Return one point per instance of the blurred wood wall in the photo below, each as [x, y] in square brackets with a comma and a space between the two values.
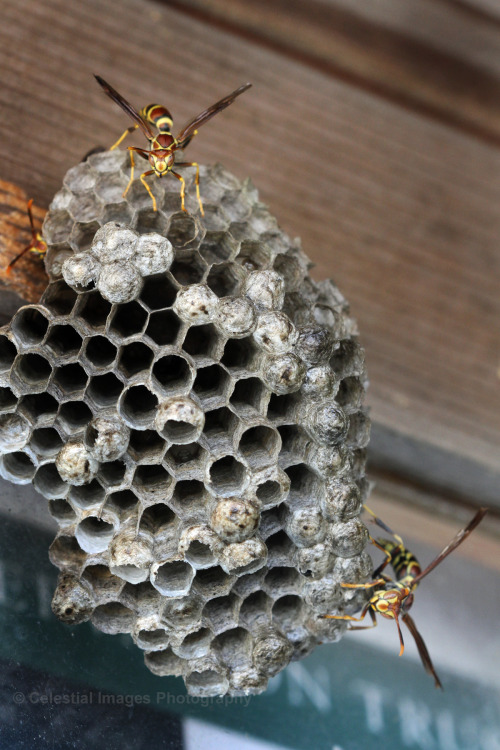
[372, 131]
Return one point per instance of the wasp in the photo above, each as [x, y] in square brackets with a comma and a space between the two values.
[38, 246]
[392, 598]
[163, 145]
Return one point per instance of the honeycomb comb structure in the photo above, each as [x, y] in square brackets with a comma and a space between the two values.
[190, 402]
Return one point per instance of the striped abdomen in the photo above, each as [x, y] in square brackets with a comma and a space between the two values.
[403, 562]
[158, 116]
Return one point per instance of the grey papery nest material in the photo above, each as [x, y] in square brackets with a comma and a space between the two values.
[190, 401]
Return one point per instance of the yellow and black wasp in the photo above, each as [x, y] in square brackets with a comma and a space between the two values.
[392, 598]
[163, 145]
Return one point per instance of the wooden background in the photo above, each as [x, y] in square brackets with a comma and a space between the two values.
[372, 131]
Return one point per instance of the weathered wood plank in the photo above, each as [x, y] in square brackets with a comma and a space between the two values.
[402, 211]
[428, 55]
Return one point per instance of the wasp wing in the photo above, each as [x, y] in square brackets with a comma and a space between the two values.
[422, 649]
[124, 104]
[458, 539]
[188, 131]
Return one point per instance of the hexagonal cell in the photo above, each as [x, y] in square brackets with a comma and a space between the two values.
[347, 359]
[289, 268]
[104, 584]
[194, 645]
[8, 400]
[185, 458]
[217, 247]
[219, 429]
[57, 227]
[29, 326]
[138, 407]
[31, 372]
[158, 292]
[17, 467]
[228, 476]
[281, 549]
[165, 663]
[202, 341]
[283, 409]
[282, 582]
[260, 446]
[122, 502]
[110, 187]
[59, 298]
[173, 578]
[255, 609]
[358, 435]
[73, 416]
[304, 485]
[239, 355]
[188, 267]
[212, 582]
[63, 341]
[65, 553]
[211, 385]
[100, 352]
[294, 442]
[112, 474]
[104, 390]
[163, 327]
[152, 481]
[253, 255]
[62, 512]
[83, 233]
[94, 535]
[232, 642]
[48, 482]
[135, 358]
[270, 493]
[146, 446]
[8, 353]
[87, 495]
[351, 392]
[120, 212]
[225, 279]
[128, 320]
[85, 207]
[287, 611]
[172, 375]
[189, 497]
[113, 618]
[222, 613]
[93, 310]
[250, 396]
[184, 230]
[152, 640]
[69, 381]
[46, 441]
[40, 408]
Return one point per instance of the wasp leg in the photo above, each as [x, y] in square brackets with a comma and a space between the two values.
[364, 611]
[197, 178]
[368, 585]
[120, 139]
[384, 526]
[8, 269]
[143, 175]
[143, 153]
[367, 627]
[183, 187]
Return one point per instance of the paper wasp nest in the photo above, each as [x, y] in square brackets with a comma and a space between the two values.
[190, 402]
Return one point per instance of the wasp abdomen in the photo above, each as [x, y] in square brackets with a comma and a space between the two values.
[158, 116]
